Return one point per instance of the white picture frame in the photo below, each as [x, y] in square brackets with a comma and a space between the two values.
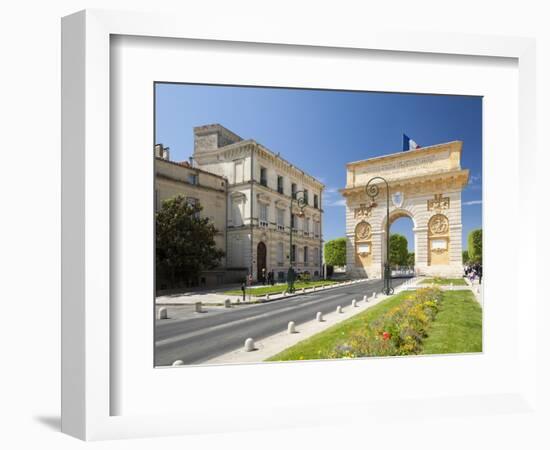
[87, 353]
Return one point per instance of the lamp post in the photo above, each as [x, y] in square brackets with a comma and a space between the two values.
[299, 198]
[372, 190]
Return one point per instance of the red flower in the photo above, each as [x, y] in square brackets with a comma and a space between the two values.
[386, 335]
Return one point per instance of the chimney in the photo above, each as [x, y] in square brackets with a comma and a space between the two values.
[162, 152]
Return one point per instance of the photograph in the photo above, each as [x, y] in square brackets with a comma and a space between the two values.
[297, 224]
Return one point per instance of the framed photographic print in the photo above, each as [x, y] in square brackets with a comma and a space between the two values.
[250, 218]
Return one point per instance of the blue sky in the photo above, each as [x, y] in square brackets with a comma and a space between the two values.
[320, 131]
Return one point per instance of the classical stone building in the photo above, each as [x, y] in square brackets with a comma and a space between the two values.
[425, 184]
[198, 187]
[260, 186]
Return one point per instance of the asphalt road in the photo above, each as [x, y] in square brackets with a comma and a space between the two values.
[200, 337]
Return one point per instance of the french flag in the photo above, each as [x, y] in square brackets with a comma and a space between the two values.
[409, 144]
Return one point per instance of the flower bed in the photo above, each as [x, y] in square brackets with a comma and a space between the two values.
[400, 331]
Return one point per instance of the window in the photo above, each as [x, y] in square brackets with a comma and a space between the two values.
[236, 212]
[239, 172]
[306, 226]
[316, 229]
[280, 253]
[315, 201]
[193, 202]
[263, 176]
[315, 255]
[306, 196]
[305, 255]
[294, 188]
[280, 182]
[292, 221]
[192, 179]
[264, 220]
[280, 219]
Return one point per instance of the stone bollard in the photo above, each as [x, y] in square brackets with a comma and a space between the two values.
[227, 303]
[354, 303]
[373, 296]
[313, 288]
[179, 362]
[285, 293]
[303, 290]
[338, 309]
[319, 317]
[267, 297]
[365, 299]
[249, 345]
[162, 313]
[198, 307]
[291, 328]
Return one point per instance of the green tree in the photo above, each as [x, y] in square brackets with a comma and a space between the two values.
[465, 257]
[185, 243]
[335, 252]
[475, 246]
[399, 252]
[410, 259]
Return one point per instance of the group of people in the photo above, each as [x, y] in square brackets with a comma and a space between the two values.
[268, 278]
[473, 271]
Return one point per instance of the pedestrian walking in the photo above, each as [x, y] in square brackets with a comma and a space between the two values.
[243, 288]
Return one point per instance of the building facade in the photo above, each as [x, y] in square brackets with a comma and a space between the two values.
[247, 190]
[426, 185]
[260, 189]
[198, 187]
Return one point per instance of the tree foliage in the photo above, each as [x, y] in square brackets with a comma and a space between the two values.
[475, 246]
[465, 257]
[335, 252]
[185, 243]
[399, 251]
[410, 259]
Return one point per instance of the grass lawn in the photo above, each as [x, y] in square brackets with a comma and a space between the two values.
[445, 281]
[278, 288]
[456, 329]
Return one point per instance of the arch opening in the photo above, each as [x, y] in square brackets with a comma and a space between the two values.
[403, 253]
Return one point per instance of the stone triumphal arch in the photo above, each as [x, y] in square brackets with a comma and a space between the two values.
[426, 185]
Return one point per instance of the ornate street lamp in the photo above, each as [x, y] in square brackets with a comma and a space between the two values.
[372, 191]
[299, 198]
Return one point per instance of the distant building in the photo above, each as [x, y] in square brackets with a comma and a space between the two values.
[246, 190]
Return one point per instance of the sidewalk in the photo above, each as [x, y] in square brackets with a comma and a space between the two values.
[216, 298]
[477, 290]
[276, 343]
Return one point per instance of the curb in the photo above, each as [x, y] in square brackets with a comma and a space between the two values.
[264, 300]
